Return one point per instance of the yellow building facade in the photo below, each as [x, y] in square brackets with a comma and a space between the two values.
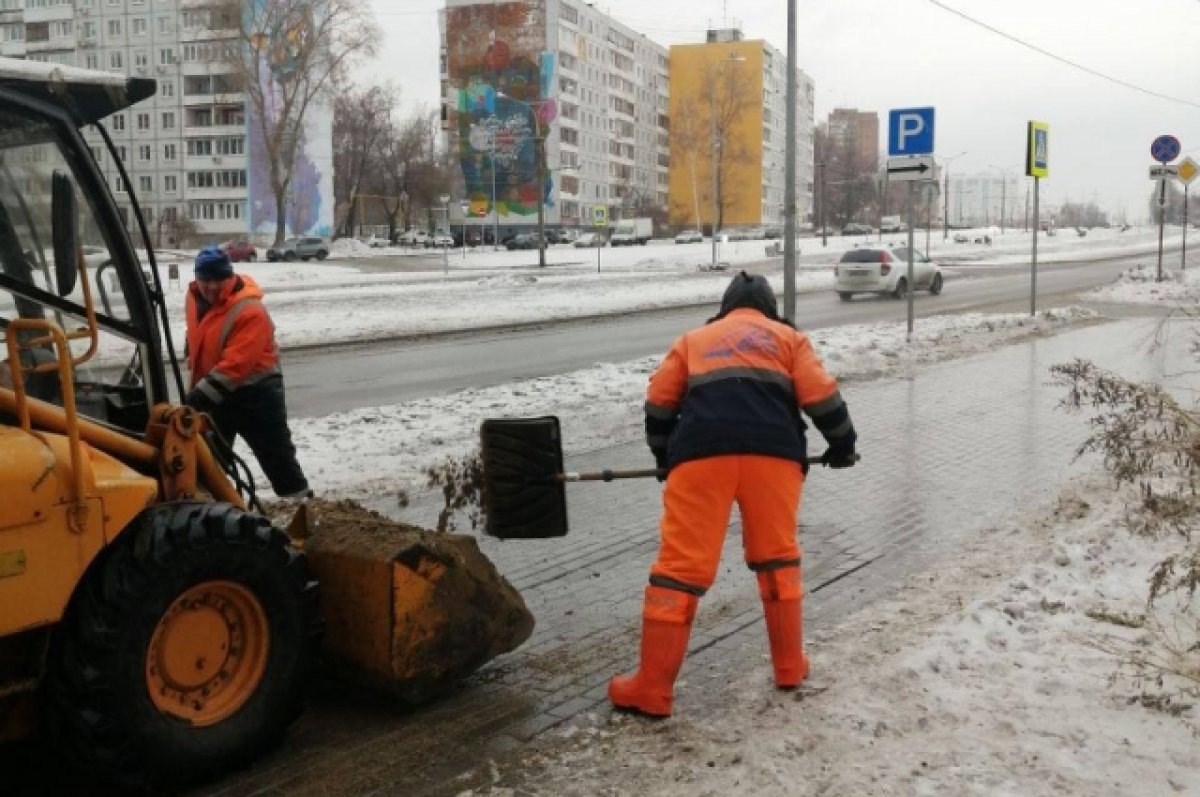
[716, 112]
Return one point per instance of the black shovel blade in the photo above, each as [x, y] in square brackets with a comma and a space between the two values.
[523, 498]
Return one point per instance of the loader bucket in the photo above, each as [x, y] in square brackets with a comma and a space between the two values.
[407, 610]
[523, 494]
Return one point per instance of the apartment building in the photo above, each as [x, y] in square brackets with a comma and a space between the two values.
[854, 134]
[592, 87]
[186, 149]
[728, 108]
[987, 200]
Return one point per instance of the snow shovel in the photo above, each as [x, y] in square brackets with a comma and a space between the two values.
[524, 485]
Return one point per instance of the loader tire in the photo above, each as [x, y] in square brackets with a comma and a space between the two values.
[185, 650]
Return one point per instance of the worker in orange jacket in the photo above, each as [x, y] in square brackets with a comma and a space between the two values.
[723, 415]
[235, 374]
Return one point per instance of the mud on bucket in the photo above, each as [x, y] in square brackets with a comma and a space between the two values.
[524, 497]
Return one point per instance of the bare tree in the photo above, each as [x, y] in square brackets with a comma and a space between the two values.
[704, 126]
[288, 54]
[362, 120]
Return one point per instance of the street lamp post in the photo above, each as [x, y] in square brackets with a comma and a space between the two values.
[824, 232]
[539, 155]
[444, 199]
[946, 198]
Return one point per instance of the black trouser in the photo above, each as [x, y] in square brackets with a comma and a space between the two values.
[258, 413]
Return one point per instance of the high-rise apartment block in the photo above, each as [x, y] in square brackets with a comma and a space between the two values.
[854, 135]
[187, 150]
[562, 72]
[728, 107]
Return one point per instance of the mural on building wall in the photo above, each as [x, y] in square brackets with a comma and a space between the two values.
[496, 59]
[309, 208]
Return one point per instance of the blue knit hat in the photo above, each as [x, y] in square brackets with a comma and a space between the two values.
[213, 264]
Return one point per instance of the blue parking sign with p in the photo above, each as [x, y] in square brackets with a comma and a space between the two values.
[910, 131]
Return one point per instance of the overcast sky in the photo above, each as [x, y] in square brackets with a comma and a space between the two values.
[883, 54]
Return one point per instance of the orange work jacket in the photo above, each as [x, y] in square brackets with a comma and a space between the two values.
[231, 343]
[737, 386]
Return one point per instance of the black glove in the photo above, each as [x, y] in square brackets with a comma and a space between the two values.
[197, 400]
[839, 458]
[660, 461]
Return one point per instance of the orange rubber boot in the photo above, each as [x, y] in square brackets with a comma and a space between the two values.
[781, 593]
[666, 625]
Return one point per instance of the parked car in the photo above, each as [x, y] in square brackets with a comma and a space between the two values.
[689, 237]
[854, 228]
[961, 238]
[560, 236]
[375, 242]
[591, 240]
[884, 270]
[299, 249]
[413, 238]
[240, 251]
[442, 239]
[524, 240]
[772, 233]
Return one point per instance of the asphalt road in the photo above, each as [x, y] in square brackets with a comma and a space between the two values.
[340, 378]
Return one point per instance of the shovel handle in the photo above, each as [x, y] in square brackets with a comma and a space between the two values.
[645, 473]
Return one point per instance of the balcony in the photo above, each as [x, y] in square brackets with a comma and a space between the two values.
[201, 131]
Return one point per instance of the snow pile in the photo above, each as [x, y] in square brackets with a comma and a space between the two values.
[982, 678]
[352, 247]
[1140, 285]
[385, 450]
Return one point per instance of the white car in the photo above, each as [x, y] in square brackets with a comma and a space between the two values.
[590, 240]
[884, 270]
[442, 239]
[689, 237]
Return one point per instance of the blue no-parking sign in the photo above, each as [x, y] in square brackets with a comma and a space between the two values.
[1165, 149]
[910, 131]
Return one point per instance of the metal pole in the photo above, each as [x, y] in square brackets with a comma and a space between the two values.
[1037, 225]
[539, 152]
[1162, 222]
[1003, 198]
[928, 215]
[789, 193]
[1183, 258]
[824, 232]
[911, 292]
[495, 207]
[946, 208]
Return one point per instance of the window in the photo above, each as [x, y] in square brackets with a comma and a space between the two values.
[143, 121]
[141, 60]
[166, 88]
[170, 152]
[170, 183]
[114, 27]
[164, 24]
[166, 56]
[115, 60]
[92, 61]
[119, 184]
[168, 120]
[118, 122]
[121, 154]
[199, 146]
[145, 152]
[138, 26]
[146, 184]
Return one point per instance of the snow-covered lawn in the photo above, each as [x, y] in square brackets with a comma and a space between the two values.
[980, 679]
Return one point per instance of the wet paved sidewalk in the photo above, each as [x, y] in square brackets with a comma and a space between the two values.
[946, 455]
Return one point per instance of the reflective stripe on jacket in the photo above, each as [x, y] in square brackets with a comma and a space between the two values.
[736, 386]
[231, 343]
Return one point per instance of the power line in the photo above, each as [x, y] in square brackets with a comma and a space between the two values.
[1060, 59]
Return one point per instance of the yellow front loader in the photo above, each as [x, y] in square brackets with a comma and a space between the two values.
[152, 627]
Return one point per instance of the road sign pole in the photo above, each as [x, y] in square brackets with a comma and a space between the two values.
[1183, 257]
[911, 292]
[1162, 222]
[1037, 228]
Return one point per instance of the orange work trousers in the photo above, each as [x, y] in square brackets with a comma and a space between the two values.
[698, 501]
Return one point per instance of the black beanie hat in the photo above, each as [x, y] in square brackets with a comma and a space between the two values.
[751, 291]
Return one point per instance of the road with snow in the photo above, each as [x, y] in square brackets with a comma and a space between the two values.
[321, 381]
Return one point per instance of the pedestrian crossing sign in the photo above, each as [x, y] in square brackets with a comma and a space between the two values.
[600, 217]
